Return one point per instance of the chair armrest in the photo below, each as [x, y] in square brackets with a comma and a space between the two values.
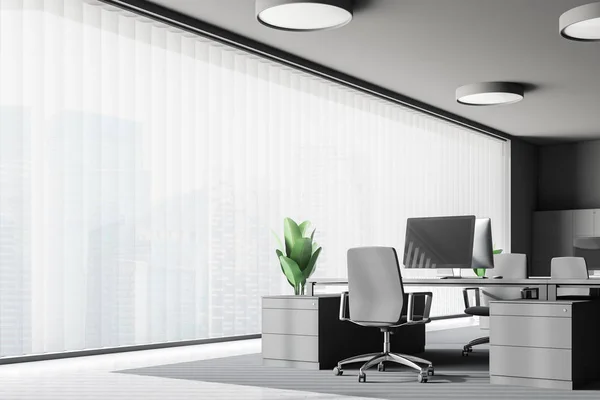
[344, 307]
[411, 304]
[466, 297]
[530, 293]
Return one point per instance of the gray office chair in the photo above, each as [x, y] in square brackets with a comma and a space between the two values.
[375, 298]
[570, 268]
[508, 265]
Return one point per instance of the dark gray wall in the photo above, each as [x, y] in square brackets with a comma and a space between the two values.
[524, 185]
[569, 176]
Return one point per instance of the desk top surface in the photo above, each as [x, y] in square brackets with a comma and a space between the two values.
[473, 281]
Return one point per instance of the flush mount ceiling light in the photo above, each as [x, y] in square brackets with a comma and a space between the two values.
[489, 93]
[304, 15]
[581, 23]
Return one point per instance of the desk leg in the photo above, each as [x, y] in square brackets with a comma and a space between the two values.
[542, 292]
[551, 292]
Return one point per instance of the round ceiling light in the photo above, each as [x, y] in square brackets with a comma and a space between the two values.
[304, 15]
[581, 23]
[489, 93]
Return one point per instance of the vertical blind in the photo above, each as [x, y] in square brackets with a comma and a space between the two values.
[142, 169]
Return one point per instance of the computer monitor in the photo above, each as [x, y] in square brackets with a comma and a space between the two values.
[439, 242]
[448, 242]
[483, 248]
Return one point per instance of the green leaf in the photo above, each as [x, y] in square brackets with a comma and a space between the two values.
[291, 270]
[280, 254]
[312, 235]
[301, 252]
[291, 233]
[498, 251]
[279, 244]
[310, 268]
[315, 246]
[304, 228]
[480, 272]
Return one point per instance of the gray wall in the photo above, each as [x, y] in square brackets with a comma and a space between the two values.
[524, 194]
[569, 176]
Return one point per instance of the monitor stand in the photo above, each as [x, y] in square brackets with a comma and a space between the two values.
[449, 273]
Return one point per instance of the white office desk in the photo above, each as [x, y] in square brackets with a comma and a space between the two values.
[547, 287]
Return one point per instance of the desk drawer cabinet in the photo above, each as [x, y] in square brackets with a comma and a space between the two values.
[521, 331]
[305, 332]
[544, 344]
[534, 308]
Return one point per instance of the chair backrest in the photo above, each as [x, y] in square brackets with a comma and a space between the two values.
[569, 268]
[509, 266]
[376, 293]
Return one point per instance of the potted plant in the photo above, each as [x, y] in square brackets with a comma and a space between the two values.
[298, 258]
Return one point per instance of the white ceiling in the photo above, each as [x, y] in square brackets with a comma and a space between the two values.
[425, 49]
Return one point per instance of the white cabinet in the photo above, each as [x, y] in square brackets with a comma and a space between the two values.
[596, 217]
[557, 349]
[592, 257]
[583, 223]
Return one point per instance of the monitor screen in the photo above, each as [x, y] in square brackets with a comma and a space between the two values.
[439, 242]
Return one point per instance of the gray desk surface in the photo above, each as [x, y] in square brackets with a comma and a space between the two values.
[546, 286]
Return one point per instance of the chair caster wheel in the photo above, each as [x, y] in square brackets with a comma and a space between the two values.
[430, 371]
[337, 371]
[422, 378]
[362, 377]
[380, 367]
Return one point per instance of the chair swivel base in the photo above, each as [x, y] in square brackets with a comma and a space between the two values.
[468, 348]
[378, 359]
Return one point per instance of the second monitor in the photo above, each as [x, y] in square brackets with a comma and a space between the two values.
[448, 242]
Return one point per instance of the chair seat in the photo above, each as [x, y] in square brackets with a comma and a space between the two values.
[480, 311]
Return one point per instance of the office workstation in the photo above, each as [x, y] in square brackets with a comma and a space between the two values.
[534, 322]
[284, 199]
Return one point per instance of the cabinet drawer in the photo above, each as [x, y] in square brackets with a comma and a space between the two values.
[548, 332]
[291, 322]
[561, 310]
[290, 347]
[292, 302]
[530, 362]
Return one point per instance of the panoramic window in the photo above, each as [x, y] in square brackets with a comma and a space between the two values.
[142, 169]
